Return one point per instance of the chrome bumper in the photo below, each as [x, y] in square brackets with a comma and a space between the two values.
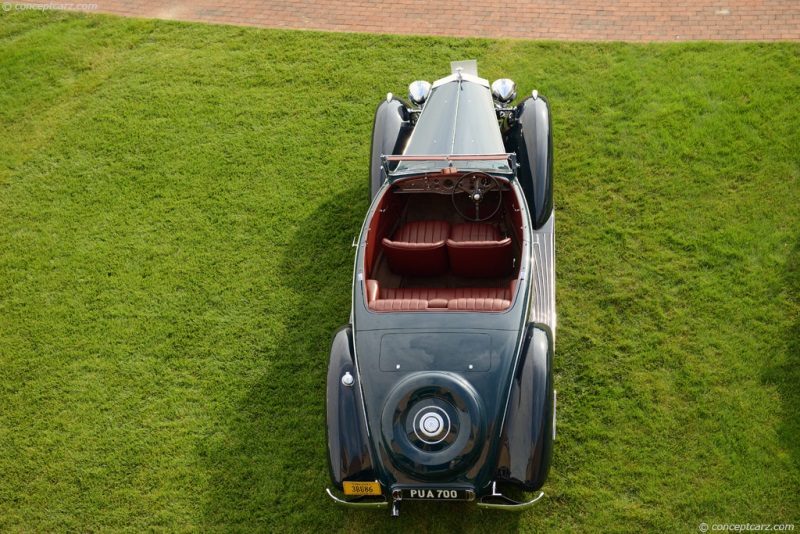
[358, 502]
[505, 503]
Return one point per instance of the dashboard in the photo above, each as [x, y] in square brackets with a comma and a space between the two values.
[443, 184]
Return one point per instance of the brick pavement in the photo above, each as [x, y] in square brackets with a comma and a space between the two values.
[570, 20]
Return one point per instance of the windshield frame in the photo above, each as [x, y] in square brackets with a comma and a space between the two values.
[394, 168]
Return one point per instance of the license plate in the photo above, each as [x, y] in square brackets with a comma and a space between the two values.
[434, 495]
[361, 488]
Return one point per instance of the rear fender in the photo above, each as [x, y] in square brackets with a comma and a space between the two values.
[349, 457]
[526, 444]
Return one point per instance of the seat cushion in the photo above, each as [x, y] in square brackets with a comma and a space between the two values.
[422, 232]
[480, 259]
[399, 305]
[486, 299]
[477, 250]
[418, 249]
[484, 305]
[483, 293]
[425, 293]
[474, 232]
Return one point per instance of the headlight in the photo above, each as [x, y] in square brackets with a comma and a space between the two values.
[504, 91]
[418, 92]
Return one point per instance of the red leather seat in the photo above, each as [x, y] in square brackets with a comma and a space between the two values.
[476, 250]
[424, 293]
[473, 231]
[484, 305]
[418, 248]
[483, 293]
[399, 305]
[488, 299]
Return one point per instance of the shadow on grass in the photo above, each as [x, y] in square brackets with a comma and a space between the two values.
[785, 373]
[268, 472]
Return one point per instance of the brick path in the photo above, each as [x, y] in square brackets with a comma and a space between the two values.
[571, 20]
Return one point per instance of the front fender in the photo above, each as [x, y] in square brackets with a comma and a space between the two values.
[390, 133]
[349, 457]
[526, 444]
[531, 138]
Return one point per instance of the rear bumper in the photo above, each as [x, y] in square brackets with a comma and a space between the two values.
[359, 502]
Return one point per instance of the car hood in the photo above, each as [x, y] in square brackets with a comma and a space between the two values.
[458, 118]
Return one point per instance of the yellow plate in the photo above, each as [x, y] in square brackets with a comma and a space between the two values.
[362, 488]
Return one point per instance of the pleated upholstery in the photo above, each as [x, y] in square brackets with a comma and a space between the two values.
[485, 299]
[418, 248]
[474, 232]
[423, 232]
[476, 250]
[478, 304]
[399, 305]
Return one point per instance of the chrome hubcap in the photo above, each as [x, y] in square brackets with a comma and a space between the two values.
[432, 425]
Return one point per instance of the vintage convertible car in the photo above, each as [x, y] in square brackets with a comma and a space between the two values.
[441, 385]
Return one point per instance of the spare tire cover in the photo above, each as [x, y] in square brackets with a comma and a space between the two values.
[433, 424]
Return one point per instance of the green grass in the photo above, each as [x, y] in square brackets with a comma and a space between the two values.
[177, 203]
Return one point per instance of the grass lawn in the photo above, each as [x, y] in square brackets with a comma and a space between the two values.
[177, 203]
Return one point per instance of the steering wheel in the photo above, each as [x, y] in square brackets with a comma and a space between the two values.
[476, 185]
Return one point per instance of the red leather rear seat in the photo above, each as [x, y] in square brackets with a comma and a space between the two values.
[399, 305]
[438, 299]
[478, 304]
[446, 293]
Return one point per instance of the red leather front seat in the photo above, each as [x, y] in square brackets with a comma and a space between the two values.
[418, 248]
[476, 250]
